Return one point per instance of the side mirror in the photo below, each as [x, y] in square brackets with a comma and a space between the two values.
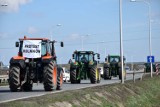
[62, 44]
[72, 56]
[105, 59]
[17, 44]
[98, 56]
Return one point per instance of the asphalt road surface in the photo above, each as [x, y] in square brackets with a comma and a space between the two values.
[38, 90]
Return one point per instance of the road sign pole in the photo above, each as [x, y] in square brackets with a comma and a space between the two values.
[151, 60]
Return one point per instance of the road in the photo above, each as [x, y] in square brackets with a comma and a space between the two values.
[38, 90]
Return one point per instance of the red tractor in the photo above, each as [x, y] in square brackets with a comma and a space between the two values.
[35, 62]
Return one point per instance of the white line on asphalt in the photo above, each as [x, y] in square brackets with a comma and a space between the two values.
[53, 92]
[29, 96]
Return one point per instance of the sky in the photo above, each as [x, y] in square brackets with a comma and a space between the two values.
[95, 23]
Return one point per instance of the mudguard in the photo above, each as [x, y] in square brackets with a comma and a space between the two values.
[19, 62]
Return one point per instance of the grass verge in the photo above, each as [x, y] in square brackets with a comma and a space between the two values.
[144, 93]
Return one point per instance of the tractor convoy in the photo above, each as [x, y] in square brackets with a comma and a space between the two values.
[112, 67]
[36, 62]
[85, 66]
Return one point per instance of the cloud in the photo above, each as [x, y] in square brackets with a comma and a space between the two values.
[32, 30]
[12, 5]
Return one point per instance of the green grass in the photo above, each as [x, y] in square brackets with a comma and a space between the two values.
[144, 93]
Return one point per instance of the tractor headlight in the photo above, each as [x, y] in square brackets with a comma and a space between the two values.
[75, 63]
[90, 62]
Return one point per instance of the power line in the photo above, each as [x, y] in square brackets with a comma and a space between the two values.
[94, 43]
[127, 40]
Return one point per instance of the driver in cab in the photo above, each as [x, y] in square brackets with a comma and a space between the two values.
[84, 59]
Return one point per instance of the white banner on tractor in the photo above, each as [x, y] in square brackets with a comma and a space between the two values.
[32, 48]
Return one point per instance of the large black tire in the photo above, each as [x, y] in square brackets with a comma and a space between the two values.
[120, 73]
[107, 74]
[93, 74]
[99, 76]
[73, 76]
[14, 78]
[48, 76]
[59, 78]
[27, 86]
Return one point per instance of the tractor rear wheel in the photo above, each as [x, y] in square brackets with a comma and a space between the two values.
[49, 77]
[93, 74]
[14, 78]
[73, 76]
[59, 78]
[107, 73]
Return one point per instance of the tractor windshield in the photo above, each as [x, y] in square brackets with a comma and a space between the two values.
[82, 57]
[114, 59]
[43, 48]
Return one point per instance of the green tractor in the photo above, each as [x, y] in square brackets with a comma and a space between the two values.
[148, 67]
[85, 66]
[112, 67]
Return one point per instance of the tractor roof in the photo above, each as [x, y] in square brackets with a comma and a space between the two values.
[84, 52]
[114, 55]
[25, 38]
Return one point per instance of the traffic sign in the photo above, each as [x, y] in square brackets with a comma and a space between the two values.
[150, 59]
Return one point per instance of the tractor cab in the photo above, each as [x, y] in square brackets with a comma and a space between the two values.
[82, 56]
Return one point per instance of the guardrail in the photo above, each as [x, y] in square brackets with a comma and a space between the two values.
[3, 78]
[136, 72]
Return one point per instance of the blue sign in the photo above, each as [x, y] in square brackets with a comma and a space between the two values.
[150, 59]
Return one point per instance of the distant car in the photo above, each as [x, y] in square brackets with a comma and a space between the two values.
[127, 69]
[101, 71]
[66, 75]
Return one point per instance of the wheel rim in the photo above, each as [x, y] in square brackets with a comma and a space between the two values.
[54, 75]
[61, 79]
[96, 74]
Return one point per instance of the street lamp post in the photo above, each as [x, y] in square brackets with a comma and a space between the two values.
[150, 41]
[82, 37]
[82, 40]
[98, 45]
[53, 28]
[121, 40]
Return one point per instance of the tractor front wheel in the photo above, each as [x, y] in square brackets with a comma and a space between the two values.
[94, 75]
[27, 86]
[59, 78]
[107, 73]
[49, 76]
[73, 76]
